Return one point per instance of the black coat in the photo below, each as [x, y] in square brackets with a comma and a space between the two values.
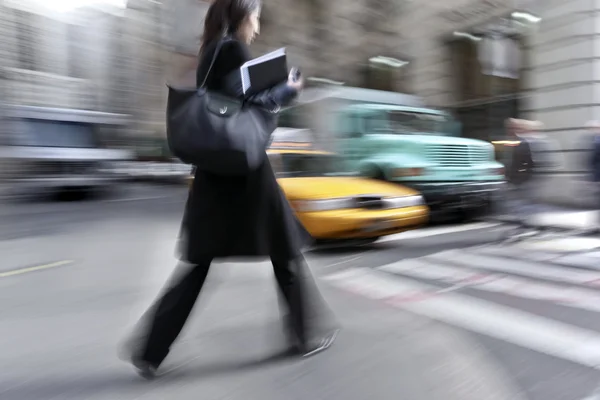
[239, 216]
[521, 167]
[595, 160]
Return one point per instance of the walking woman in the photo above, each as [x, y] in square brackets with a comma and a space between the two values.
[234, 216]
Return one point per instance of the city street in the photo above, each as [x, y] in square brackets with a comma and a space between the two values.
[447, 312]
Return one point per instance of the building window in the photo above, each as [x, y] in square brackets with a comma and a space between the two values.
[384, 73]
[76, 50]
[379, 77]
[486, 66]
[26, 39]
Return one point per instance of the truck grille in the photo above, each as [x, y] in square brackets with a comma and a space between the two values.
[456, 155]
[449, 155]
[479, 155]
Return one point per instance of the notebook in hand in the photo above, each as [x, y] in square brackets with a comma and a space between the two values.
[264, 72]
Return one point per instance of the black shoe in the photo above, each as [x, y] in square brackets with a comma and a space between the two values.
[320, 344]
[143, 368]
[129, 352]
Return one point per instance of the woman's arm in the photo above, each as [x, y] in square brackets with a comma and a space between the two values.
[278, 96]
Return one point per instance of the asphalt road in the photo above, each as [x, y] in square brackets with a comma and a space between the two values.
[448, 312]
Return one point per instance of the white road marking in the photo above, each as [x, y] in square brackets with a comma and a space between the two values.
[518, 267]
[581, 260]
[509, 252]
[521, 328]
[344, 261]
[564, 244]
[426, 232]
[33, 269]
[135, 199]
[569, 296]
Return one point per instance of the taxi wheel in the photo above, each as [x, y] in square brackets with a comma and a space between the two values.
[379, 175]
[368, 241]
[476, 213]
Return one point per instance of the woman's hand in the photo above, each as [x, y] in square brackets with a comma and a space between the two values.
[297, 84]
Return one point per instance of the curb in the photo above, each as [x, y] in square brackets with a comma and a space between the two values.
[543, 227]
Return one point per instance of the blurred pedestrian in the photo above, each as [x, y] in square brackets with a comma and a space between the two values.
[235, 216]
[546, 152]
[519, 172]
[533, 158]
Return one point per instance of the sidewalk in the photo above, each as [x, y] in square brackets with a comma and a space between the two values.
[579, 220]
[557, 218]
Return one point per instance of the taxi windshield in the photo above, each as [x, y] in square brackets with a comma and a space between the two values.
[296, 165]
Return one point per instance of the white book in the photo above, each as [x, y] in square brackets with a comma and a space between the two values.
[276, 70]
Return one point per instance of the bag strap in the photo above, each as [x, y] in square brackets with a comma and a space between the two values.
[214, 58]
[212, 63]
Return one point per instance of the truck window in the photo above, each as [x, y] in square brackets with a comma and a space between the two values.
[350, 125]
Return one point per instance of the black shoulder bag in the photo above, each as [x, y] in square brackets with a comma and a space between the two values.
[217, 133]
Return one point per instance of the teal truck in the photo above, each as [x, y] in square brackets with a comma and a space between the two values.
[394, 137]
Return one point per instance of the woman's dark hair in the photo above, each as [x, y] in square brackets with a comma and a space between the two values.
[224, 17]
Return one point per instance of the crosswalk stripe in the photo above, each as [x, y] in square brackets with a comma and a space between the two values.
[518, 267]
[580, 260]
[427, 232]
[516, 252]
[460, 277]
[521, 328]
[585, 260]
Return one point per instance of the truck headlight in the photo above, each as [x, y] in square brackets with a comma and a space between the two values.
[322, 205]
[497, 171]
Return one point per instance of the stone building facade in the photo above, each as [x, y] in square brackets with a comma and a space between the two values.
[332, 39]
[119, 59]
[556, 80]
[59, 59]
[549, 73]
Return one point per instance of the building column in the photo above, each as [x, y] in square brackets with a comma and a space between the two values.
[563, 89]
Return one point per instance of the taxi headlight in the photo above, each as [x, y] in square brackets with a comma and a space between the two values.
[322, 205]
[405, 201]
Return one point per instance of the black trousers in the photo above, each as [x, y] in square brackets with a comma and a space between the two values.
[168, 316]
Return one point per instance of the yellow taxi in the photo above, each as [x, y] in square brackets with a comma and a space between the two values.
[336, 205]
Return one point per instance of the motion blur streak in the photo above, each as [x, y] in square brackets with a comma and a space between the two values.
[444, 155]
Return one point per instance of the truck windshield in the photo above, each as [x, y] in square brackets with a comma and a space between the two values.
[295, 165]
[407, 123]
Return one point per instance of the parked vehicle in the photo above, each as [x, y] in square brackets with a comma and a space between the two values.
[46, 149]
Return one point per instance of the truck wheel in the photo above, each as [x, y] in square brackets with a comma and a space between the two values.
[474, 213]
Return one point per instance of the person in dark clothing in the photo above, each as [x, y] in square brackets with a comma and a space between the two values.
[235, 216]
[519, 174]
[594, 127]
[520, 169]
